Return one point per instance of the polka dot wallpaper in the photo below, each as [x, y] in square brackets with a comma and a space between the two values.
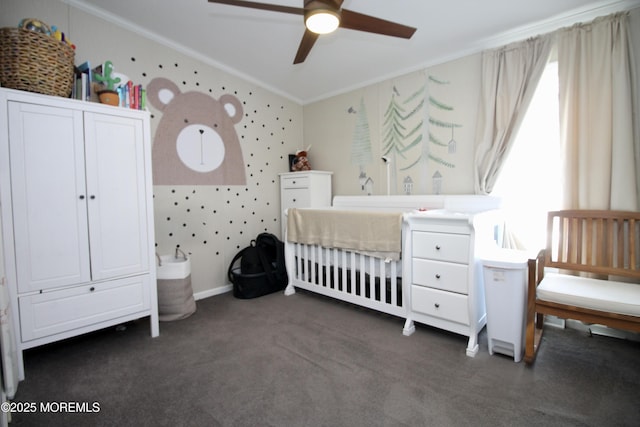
[212, 223]
[209, 223]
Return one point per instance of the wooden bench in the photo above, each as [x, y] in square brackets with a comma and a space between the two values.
[597, 281]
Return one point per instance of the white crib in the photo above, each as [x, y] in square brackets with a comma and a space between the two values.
[362, 279]
[348, 276]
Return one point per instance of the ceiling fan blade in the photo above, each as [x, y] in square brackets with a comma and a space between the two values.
[262, 6]
[307, 42]
[359, 22]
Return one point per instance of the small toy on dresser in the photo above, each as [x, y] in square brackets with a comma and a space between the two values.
[301, 162]
[109, 95]
[38, 26]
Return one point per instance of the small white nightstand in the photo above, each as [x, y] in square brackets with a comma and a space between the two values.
[309, 189]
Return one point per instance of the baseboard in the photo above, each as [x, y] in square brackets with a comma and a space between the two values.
[554, 321]
[212, 292]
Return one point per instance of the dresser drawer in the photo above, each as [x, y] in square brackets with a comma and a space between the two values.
[441, 275]
[442, 304]
[54, 312]
[295, 198]
[295, 182]
[441, 246]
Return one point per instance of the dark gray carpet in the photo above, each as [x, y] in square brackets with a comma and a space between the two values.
[306, 360]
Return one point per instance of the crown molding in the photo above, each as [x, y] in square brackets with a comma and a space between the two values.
[134, 28]
[584, 14]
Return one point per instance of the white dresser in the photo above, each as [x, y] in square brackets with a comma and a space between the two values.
[442, 270]
[77, 216]
[309, 189]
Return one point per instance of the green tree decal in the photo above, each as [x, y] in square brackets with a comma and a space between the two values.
[436, 126]
[418, 121]
[434, 129]
[398, 139]
[361, 152]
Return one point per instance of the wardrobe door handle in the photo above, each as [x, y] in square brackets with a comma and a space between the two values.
[92, 197]
[81, 197]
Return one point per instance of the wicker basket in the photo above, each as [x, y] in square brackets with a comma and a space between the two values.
[35, 62]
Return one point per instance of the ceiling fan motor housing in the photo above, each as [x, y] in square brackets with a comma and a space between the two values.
[321, 17]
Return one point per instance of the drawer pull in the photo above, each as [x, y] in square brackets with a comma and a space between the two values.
[293, 182]
[92, 289]
[437, 276]
[437, 247]
[436, 305]
[82, 197]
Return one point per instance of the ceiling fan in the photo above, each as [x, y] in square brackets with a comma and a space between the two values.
[324, 16]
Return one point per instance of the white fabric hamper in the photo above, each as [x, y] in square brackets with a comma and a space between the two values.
[175, 294]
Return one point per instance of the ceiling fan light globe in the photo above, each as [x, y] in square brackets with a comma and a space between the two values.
[322, 21]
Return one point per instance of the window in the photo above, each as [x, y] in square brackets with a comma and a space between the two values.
[530, 182]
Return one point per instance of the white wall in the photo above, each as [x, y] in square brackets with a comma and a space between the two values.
[330, 127]
[439, 97]
[211, 223]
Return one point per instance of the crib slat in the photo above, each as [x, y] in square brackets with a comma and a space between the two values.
[327, 268]
[298, 253]
[336, 270]
[352, 269]
[313, 262]
[393, 278]
[345, 288]
[383, 280]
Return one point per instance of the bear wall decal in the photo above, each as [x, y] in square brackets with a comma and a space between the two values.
[195, 142]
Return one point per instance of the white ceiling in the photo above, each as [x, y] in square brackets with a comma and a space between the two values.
[260, 45]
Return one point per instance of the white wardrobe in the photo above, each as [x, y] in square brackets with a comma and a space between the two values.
[77, 216]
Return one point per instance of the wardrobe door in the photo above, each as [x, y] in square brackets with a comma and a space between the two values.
[49, 198]
[116, 195]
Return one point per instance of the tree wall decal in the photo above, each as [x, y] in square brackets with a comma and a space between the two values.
[361, 151]
[437, 126]
[418, 130]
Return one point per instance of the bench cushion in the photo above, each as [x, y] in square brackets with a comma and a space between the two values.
[602, 295]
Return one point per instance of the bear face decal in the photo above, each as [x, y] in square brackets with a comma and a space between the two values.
[195, 142]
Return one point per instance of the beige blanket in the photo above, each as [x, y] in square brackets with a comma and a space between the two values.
[374, 233]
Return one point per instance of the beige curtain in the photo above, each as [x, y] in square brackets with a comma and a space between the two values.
[509, 78]
[596, 115]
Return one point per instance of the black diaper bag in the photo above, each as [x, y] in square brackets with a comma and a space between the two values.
[262, 270]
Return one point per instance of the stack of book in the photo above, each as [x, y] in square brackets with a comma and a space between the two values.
[86, 88]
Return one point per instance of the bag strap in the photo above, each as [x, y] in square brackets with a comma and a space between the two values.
[266, 265]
